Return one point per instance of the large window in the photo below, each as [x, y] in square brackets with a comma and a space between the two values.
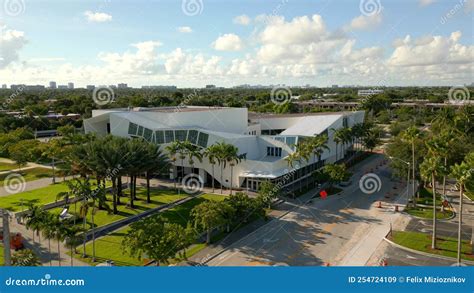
[193, 136]
[140, 131]
[159, 137]
[273, 152]
[132, 128]
[169, 136]
[203, 138]
[147, 134]
[180, 135]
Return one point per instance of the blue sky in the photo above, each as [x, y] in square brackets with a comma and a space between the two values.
[57, 40]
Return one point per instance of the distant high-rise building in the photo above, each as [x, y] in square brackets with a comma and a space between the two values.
[210, 86]
[62, 87]
[70, 85]
[4, 86]
[52, 84]
[90, 87]
[122, 86]
[334, 86]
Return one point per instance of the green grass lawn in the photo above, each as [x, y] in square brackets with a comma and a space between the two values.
[110, 246]
[38, 196]
[422, 242]
[103, 217]
[427, 213]
[30, 174]
[7, 166]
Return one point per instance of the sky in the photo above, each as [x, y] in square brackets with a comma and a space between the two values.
[191, 43]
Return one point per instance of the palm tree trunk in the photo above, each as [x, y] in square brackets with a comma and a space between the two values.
[444, 177]
[413, 164]
[72, 253]
[213, 178]
[59, 252]
[336, 150]
[49, 250]
[148, 187]
[222, 179]
[433, 241]
[231, 173]
[460, 222]
[208, 238]
[119, 188]
[135, 187]
[114, 196]
[93, 237]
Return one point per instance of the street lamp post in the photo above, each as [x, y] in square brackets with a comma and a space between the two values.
[408, 177]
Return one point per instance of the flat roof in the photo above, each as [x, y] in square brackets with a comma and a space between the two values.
[255, 115]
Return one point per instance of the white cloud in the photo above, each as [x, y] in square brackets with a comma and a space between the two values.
[242, 19]
[143, 61]
[431, 50]
[97, 16]
[185, 29]
[11, 42]
[426, 2]
[228, 42]
[363, 22]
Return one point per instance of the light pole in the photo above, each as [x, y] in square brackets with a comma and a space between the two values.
[408, 176]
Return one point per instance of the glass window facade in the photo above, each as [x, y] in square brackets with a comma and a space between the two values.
[202, 140]
[193, 136]
[132, 128]
[180, 135]
[147, 134]
[159, 137]
[169, 136]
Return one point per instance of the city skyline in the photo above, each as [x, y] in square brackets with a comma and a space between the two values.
[272, 42]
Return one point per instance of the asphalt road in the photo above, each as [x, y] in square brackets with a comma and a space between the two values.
[343, 229]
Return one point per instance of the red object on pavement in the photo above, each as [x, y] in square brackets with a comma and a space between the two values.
[323, 194]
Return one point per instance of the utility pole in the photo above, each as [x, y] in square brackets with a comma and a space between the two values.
[6, 237]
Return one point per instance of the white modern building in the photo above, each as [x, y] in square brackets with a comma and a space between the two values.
[369, 92]
[264, 139]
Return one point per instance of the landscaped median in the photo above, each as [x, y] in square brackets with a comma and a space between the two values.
[110, 247]
[4, 166]
[424, 208]
[446, 246]
[158, 198]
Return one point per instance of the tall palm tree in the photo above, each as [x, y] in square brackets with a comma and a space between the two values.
[172, 150]
[430, 168]
[411, 135]
[231, 155]
[192, 152]
[48, 232]
[338, 137]
[156, 162]
[212, 153]
[462, 173]
[35, 220]
[291, 159]
[319, 144]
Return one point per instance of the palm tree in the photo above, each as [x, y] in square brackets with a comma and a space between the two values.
[447, 138]
[72, 238]
[156, 162]
[411, 135]
[338, 137]
[48, 232]
[291, 159]
[430, 168]
[319, 145]
[172, 150]
[59, 234]
[212, 153]
[35, 220]
[462, 173]
[231, 156]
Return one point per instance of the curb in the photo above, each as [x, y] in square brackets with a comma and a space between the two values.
[426, 253]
